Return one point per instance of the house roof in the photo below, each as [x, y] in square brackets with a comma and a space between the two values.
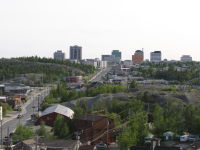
[87, 147]
[52, 143]
[156, 148]
[58, 143]
[65, 111]
[90, 117]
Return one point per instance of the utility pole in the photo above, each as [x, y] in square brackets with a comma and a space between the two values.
[107, 130]
[38, 103]
[36, 146]
[1, 119]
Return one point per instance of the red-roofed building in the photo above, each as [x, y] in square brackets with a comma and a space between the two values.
[93, 128]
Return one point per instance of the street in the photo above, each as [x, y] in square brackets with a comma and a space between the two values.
[99, 75]
[27, 110]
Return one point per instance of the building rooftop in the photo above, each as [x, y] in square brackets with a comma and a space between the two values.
[65, 111]
[90, 117]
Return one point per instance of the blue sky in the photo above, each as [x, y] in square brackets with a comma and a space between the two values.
[40, 27]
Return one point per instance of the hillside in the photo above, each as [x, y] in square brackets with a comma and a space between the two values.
[51, 69]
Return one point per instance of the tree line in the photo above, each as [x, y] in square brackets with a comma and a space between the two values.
[51, 69]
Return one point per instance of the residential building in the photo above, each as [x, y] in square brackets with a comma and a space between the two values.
[95, 128]
[3, 99]
[117, 54]
[156, 56]
[49, 115]
[74, 79]
[186, 58]
[138, 57]
[75, 53]
[59, 55]
[48, 144]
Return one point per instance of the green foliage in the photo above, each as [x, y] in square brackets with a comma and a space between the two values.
[183, 72]
[61, 94]
[158, 120]
[6, 108]
[104, 89]
[135, 132]
[115, 117]
[133, 85]
[42, 131]
[170, 89]
[176, 118]
[23, 133]
[51, 69]
[61, 128]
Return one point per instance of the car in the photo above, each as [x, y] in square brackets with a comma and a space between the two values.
[20, 116]
[193, 138]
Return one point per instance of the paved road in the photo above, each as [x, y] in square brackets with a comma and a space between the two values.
[99, 75]
[27, 110]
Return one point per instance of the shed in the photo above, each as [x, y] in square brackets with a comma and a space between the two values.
[168, 135]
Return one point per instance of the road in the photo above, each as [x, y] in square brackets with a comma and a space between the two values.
[99, 75]
[27, 110]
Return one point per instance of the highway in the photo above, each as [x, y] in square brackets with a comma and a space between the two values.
[27, 110]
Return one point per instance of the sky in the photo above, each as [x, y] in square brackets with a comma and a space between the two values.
[40, 27]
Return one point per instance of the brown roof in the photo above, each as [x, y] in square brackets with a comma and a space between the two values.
[58, 143]
[90, 117]
[87, 147]
[52, 143]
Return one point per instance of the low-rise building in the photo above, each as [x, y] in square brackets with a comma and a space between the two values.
[49, 115]
[95, 128]
[3, 99]
[50, 144]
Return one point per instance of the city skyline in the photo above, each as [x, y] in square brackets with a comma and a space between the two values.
[33, 27]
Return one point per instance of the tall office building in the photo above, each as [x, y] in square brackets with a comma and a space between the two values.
[138, 57]
[186, 58]
[75, 52]
[117, 54]
[156, 56]
[59, 55]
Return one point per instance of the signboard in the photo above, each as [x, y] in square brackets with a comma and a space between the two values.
[1, 113]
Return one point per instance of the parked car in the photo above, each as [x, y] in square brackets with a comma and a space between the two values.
[193, 138]
[20, 116]
[184, 138]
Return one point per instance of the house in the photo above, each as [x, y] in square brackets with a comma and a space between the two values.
[3, 99]
[94, 128]
[52, 144]
[49, 115]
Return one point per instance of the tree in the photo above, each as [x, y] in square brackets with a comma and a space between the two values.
[133, 85]
[135, 132]
[158, 120]
[42, 131]
[61, 129]
[23, 133]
